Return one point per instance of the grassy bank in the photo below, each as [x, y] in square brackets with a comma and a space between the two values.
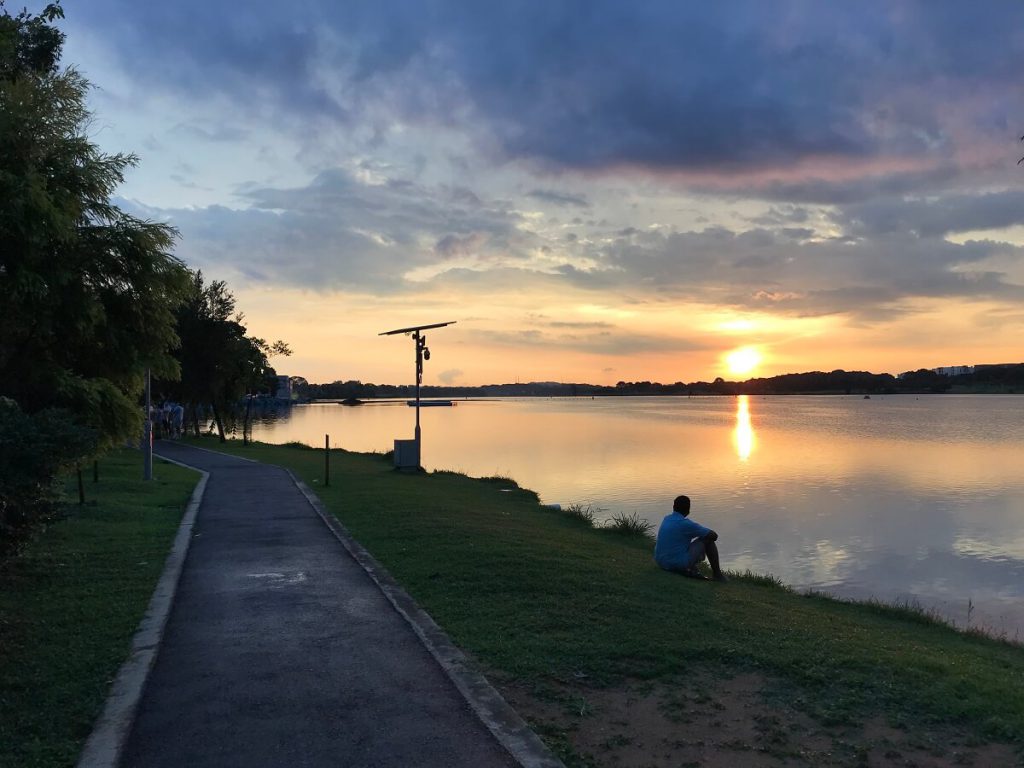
[70, 603]
[561, 613]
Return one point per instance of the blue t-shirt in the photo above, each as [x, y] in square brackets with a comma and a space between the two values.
[672, 551]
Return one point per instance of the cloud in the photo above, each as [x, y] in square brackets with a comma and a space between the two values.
[216, 133]
[809, 185]
[783, 215]
[451, 246]
[731, 90]
[785, 271]
[395, 236]
[559, 198]
[579, 325]
[615, 343]
[450, 376]
[339, 232]
[935, 217]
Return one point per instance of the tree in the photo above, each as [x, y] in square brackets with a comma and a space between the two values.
[33, 450]
[88, 290]
[219, 363]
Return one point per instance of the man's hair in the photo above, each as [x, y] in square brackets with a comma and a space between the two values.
[681, 504]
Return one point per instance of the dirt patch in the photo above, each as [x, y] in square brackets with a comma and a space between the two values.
[726, 723]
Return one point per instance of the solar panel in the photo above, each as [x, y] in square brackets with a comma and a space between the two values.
[416, 328]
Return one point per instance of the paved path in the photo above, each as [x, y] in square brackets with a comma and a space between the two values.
[280, 650]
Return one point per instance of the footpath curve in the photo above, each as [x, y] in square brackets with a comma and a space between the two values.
[281, 649]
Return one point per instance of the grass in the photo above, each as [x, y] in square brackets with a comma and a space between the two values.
[541, 599]
[620, 523]
[586, 514]
[70, 602]
[629, 525]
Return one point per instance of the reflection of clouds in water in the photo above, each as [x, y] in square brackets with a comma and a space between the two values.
[924, 562]
[921, 550]
[1012, 547]
[938, 573]
[949, 583]
[826, 558]
[861, 517]
[801, 563]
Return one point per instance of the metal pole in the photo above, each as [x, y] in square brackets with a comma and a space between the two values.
[147, 435]
[327, 460]
[419, 377]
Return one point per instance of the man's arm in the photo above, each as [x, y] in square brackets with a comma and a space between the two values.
[695, 530]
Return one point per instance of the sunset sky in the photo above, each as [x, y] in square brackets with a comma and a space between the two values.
[594, 191]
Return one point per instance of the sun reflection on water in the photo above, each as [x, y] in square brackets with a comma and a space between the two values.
[743, 435]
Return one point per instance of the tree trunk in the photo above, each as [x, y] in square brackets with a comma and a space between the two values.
[245, 422]
[220, 423]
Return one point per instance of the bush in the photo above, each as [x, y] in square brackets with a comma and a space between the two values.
[586, 514]
[629, 525]
[34, 449]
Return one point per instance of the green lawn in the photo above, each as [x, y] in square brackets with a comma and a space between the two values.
[540, 597]
[71, 601]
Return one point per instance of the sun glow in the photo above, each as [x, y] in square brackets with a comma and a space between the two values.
[743, 435]
[743, 360]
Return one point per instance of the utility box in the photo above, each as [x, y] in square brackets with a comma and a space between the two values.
[407, 454]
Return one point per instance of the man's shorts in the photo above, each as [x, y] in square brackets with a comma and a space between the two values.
[694, 555]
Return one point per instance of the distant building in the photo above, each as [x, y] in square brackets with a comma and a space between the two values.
[284, 388]
[996, 365]
[954, 370]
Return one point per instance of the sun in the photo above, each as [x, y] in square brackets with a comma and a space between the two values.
[743, 360]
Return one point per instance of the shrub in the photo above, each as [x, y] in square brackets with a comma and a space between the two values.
[631, 524]
[586, 514]
[499, 479]
[296, 445]
[763, 579]
[33, 450]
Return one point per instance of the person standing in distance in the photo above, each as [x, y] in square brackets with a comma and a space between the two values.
[683, 543]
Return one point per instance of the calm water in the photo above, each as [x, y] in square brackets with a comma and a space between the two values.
[895, 497]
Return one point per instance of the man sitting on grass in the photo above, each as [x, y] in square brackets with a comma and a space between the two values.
[683, 544]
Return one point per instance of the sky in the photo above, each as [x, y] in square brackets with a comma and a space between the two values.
[594, 191]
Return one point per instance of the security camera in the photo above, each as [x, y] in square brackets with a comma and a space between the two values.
[426, 354]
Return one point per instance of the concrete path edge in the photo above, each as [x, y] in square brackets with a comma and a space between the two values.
[501, 719]
[105, 744]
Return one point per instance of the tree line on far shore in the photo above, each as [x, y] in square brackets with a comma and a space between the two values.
[996, 378]
[92, 297]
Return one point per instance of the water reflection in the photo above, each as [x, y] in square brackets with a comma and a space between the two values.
[892, 497]
[743, 435]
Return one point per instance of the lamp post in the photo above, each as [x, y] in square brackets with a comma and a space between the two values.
[147, 434]
[422, 353]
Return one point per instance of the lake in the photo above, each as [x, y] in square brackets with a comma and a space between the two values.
[901, 497]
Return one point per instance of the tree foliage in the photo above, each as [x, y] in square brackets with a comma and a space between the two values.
[33, 449]
[219, 363]
[88, 290]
